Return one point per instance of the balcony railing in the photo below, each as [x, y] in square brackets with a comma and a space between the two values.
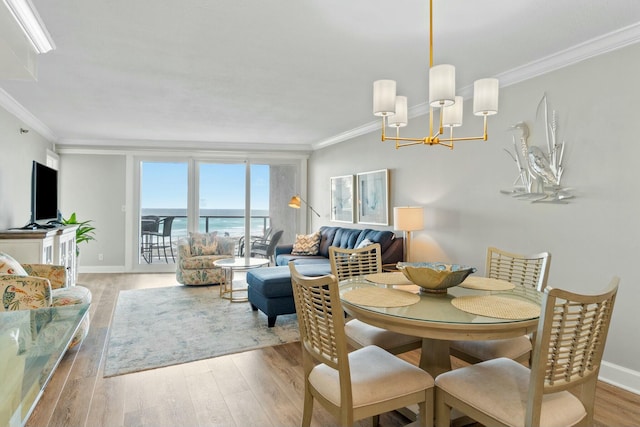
[227, 225]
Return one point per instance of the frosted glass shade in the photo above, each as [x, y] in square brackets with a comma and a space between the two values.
[442, 85]
[485, 97]
[408, 218]
[452, 115]
[384, 97]
[399, 119]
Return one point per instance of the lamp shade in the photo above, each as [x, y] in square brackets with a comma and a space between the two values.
[384, 97]
[408, 218]
[294, 202]
[442, 85]
[399, 119]
[452, 115]
[485, 97]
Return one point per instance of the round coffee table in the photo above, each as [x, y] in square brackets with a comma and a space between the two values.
[229, 265]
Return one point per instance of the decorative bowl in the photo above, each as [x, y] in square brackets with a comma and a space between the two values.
[435, 277]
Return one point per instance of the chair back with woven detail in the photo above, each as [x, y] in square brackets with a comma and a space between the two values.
[569, 345]
[346, 263]
[320, 317]
[363, 383]
[558, 389]
[526, 270]
[529, 273]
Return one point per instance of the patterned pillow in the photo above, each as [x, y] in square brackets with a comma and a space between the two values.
[8, 265]
[203, 243]
[226, 246]
[306, 244]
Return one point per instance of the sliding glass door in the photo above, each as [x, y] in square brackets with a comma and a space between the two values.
[176, 197]
[163, 210]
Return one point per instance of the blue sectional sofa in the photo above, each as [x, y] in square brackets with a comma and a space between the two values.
[269, 289]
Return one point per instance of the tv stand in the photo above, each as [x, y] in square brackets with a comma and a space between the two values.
[36, 226]
[43, 245]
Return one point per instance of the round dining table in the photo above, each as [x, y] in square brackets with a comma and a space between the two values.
[434, 317]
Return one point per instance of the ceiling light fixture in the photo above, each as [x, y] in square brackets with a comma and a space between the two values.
[27, 17]
[442, 88]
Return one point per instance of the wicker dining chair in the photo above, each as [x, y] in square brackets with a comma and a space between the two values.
[527, 271]
[351, 386]
[346, 263]
[559, 388]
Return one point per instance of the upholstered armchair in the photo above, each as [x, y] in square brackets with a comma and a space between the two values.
[33, 286]
[196, 255]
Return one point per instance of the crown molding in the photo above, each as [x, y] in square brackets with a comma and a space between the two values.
[118, 146]
[615, 40]
[30, 121]
[591, 48]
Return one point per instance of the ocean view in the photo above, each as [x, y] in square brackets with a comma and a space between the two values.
[224, 221]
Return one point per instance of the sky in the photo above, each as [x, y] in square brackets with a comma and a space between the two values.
[164, 185]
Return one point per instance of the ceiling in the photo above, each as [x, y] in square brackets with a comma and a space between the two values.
[275, 74]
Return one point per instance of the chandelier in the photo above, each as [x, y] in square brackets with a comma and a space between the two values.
[442, 88]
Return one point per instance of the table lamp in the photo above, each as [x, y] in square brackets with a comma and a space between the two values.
[408, 219]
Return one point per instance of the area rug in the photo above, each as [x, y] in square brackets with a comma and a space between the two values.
[158, 327]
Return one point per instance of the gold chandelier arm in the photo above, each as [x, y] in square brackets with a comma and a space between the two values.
[415, 142]
[484, 137]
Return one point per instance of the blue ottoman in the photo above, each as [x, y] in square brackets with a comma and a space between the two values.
[269, 288]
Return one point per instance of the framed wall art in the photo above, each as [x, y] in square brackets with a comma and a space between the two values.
[373, 197]
[342, 198]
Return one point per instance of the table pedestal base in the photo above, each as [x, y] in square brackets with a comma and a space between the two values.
[434, 357]
[227, 290]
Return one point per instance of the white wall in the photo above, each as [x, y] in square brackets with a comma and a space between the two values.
[18, 150]
[591, 239]
[93, 186]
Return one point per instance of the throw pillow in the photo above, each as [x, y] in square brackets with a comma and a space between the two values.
[8, 265]
[226, 246]
[364, 243]
[306, 244]
[203, 243]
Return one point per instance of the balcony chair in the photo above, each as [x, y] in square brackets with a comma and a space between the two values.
[530, 271]
[32, 286]
[351, 386]
[165, 235]
[149, 224]
[266, 248]
[252, 240]
[560, 387]
[346, 263]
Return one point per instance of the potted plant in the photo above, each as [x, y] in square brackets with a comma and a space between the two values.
[84, 232]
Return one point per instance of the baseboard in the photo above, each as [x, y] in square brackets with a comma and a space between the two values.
[620, 376]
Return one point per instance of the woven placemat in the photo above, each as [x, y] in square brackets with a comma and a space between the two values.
[496, 306]
[395, 278]
[380, 297]
[486, 284]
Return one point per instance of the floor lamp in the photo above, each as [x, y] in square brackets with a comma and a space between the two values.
[408, 219]
[295, 203]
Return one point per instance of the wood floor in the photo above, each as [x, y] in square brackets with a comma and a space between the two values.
[256, 388]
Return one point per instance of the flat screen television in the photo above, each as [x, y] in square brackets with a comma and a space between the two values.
[44, 194]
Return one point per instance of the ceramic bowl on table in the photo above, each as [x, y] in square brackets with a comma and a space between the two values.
[435, 277]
